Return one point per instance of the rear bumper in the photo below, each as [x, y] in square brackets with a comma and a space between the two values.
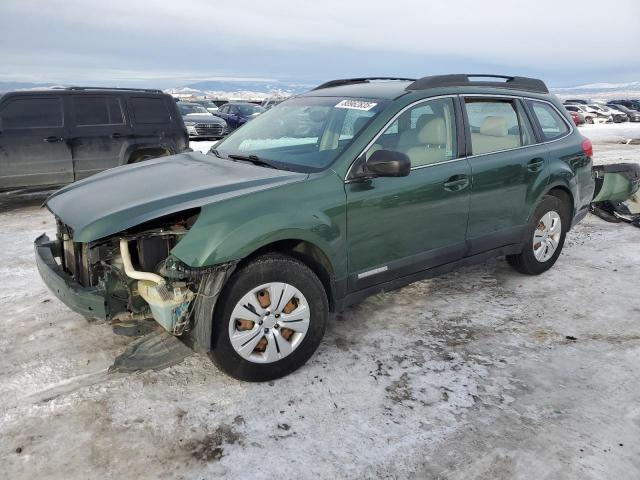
[86, 301]
[580, 214]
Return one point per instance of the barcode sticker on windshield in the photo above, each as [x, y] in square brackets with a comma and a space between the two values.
[356, 105]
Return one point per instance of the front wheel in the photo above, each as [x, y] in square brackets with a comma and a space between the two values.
[545, 237]
[271, 318]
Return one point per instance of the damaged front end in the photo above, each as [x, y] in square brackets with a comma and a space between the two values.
[130, 275]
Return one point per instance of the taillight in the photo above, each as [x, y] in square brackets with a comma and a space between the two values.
[587, 147]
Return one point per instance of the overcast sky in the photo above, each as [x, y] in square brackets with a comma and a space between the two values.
[173, 43]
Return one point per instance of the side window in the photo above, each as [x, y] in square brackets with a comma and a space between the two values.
[426, 133]
[392, 129]
[116, 117]
[97, 111]
[551, 123]
[150, 110]
[32, 113]
[496, 125]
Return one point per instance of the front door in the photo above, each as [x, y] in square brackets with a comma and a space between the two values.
[507, 167]
[99, 134]
[399, 226]
[33, 144]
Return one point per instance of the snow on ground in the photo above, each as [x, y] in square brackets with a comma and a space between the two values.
[612, 132]
[202, 145]
[482, 373]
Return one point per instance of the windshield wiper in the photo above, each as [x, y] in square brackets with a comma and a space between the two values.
[253, 159]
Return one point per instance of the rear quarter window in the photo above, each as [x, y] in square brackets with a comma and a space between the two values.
[551, 122]
[150, 110]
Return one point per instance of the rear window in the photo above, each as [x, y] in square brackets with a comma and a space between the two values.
[150, 110]
[32, 113]
[551, 123]
[98, 111]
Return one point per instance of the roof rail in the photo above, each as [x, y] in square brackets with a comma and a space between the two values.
[349, 81]
[150, 90]
[464, 79]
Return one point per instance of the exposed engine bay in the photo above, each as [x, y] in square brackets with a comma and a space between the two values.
[136, 271]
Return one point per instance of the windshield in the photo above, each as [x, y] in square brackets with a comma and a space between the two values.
[303, 134]
[189, 108]
[246, 110]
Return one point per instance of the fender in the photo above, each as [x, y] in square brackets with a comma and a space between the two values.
[231, 230]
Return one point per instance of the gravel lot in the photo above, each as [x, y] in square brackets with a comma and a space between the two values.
[481, 374]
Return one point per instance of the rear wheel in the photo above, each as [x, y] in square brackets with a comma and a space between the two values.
[545, 237]
[272, 317]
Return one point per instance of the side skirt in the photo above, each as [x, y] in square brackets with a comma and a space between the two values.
[360, 295]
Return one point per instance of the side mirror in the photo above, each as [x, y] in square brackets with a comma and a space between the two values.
[388, 163]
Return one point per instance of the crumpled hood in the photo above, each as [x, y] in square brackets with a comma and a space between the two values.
[126, 196]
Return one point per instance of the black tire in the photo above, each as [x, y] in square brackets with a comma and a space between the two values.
[265, 269]
[589, 120]
[526, 262]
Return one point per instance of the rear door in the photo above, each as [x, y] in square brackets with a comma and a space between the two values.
[508, 167]
[33, 142]
[99, 133]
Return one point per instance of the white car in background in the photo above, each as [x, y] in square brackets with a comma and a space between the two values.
[591, 115]
[616, 115]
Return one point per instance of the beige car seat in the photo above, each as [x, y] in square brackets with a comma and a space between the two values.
[494, 136]
[431, 144]
[409, 137]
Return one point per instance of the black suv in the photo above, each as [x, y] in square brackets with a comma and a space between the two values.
[56, 136]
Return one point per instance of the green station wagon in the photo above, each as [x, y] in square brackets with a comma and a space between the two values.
[357, 187]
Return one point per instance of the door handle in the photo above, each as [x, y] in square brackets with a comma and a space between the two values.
[53, 139]
[535, 165]
[456, 183]
[116, 135]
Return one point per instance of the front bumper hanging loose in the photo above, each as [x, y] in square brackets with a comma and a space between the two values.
[88, 301]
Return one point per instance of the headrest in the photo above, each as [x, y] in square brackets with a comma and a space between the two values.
[434, 132]
[494, 126]
[359, 124]
[424, 119]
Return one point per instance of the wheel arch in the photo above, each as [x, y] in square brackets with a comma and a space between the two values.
[156, 151]
[564, 194]
[306, 252]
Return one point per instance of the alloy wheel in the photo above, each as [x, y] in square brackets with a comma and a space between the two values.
[546, 236]
[269, 322]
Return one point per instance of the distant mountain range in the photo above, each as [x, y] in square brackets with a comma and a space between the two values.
[600, 91]
[261, 88]
[10, 86]
[223, 88]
